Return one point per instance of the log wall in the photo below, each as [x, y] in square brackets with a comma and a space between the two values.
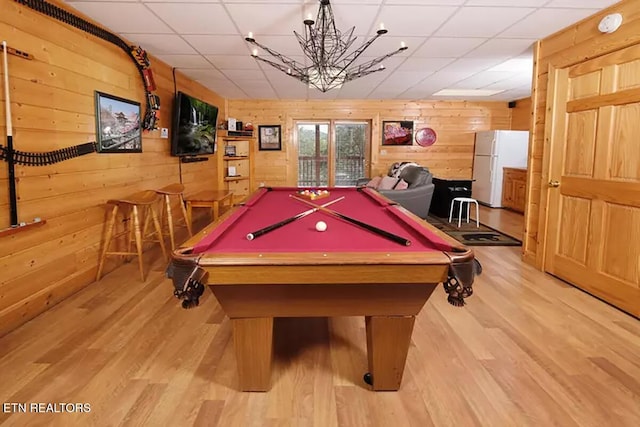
[52, 107]
[521, 115]
[455, 123]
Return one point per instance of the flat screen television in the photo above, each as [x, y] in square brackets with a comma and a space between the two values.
[194, 126]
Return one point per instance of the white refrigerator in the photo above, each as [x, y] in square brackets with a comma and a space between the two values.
[495, 150]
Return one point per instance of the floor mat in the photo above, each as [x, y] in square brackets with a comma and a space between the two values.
[471, 235]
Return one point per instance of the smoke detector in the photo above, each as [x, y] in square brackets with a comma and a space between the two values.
[610, 23]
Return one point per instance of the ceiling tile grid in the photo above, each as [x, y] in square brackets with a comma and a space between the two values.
[453, 44]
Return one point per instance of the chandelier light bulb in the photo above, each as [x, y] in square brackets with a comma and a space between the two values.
[254, 52]
[309, 16]
[402, 44]
[382, 25]
[250, 35]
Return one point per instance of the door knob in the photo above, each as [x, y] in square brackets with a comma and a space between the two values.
[554, 184]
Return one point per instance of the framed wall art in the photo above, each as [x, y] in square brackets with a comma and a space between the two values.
[269, 137]
[118, 127]
[397, 133]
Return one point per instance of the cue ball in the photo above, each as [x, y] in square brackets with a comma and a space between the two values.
[321, 226]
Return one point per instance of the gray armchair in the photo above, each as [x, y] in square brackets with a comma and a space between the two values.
[416, 198]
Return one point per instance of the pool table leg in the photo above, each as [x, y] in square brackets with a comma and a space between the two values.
[253, 341]
[388, 339]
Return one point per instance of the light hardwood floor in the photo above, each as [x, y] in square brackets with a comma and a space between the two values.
[527, 350]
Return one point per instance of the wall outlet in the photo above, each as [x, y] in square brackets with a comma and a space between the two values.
[164, 133]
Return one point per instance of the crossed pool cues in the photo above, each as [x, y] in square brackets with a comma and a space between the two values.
[315, 208]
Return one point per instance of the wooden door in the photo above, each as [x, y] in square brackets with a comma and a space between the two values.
[593, 223]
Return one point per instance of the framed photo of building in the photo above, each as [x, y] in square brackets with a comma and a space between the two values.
[118, 127]
[269, 137]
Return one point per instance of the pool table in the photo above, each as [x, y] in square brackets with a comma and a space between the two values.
[297, 271]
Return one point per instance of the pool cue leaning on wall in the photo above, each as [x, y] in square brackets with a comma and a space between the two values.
[13, 200]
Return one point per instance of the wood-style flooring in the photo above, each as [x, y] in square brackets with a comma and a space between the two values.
[527, 350]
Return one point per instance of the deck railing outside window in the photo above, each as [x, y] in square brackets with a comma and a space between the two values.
[312, 171]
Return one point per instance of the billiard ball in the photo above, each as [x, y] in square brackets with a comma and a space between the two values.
[321, 226]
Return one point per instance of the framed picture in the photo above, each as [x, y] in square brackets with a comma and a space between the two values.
[269, 138]
[118, 127]
[230, 150]
[397, 133]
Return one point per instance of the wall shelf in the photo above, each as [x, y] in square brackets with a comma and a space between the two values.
[244, 148]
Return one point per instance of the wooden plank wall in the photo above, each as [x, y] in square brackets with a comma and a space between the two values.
[573, 45]
[521, 115]
[52, 103]
[455, 123]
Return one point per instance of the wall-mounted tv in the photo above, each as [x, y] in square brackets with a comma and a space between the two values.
[194, 126]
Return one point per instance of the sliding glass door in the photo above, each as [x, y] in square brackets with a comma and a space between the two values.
[332, 153]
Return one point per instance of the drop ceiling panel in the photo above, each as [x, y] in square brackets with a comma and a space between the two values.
[218, 45]
[233, 62]
[185, 61]
[259, 90]
[202, 74]
[188, 18]
[545, 22]
[596, 4]
[263, 19]
[161, 44]
[507, 3]
[501, 48]
[361, 16]
[482, 21]
[425, 65]
[238, 75]
[428, 2]
[482, 79]
[123, 17]
[414, 20]
[448, 47]
[472, 65]
[291, 91]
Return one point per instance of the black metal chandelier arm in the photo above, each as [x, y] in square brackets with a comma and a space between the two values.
[26, 158]
[359, 51]
[293, 72]
[367, 68]
[284, 59]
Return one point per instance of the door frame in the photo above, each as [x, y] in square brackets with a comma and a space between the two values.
[331, 143]
[555, 127]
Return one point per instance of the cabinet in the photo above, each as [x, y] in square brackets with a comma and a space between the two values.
[235, 164]
[514, 189]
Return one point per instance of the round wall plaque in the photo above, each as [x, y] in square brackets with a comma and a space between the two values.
[426, 137]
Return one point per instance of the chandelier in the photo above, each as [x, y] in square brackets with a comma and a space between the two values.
[332, 64]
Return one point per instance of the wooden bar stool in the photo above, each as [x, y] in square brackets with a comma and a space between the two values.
[166, 193]
[130, 209]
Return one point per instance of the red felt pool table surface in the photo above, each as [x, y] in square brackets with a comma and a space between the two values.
[270, 206]
[296, 271]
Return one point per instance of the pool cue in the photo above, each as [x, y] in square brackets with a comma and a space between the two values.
[284, 222]
[379, 231]
[13, 200]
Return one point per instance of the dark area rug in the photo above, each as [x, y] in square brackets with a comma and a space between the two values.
[471, 235]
